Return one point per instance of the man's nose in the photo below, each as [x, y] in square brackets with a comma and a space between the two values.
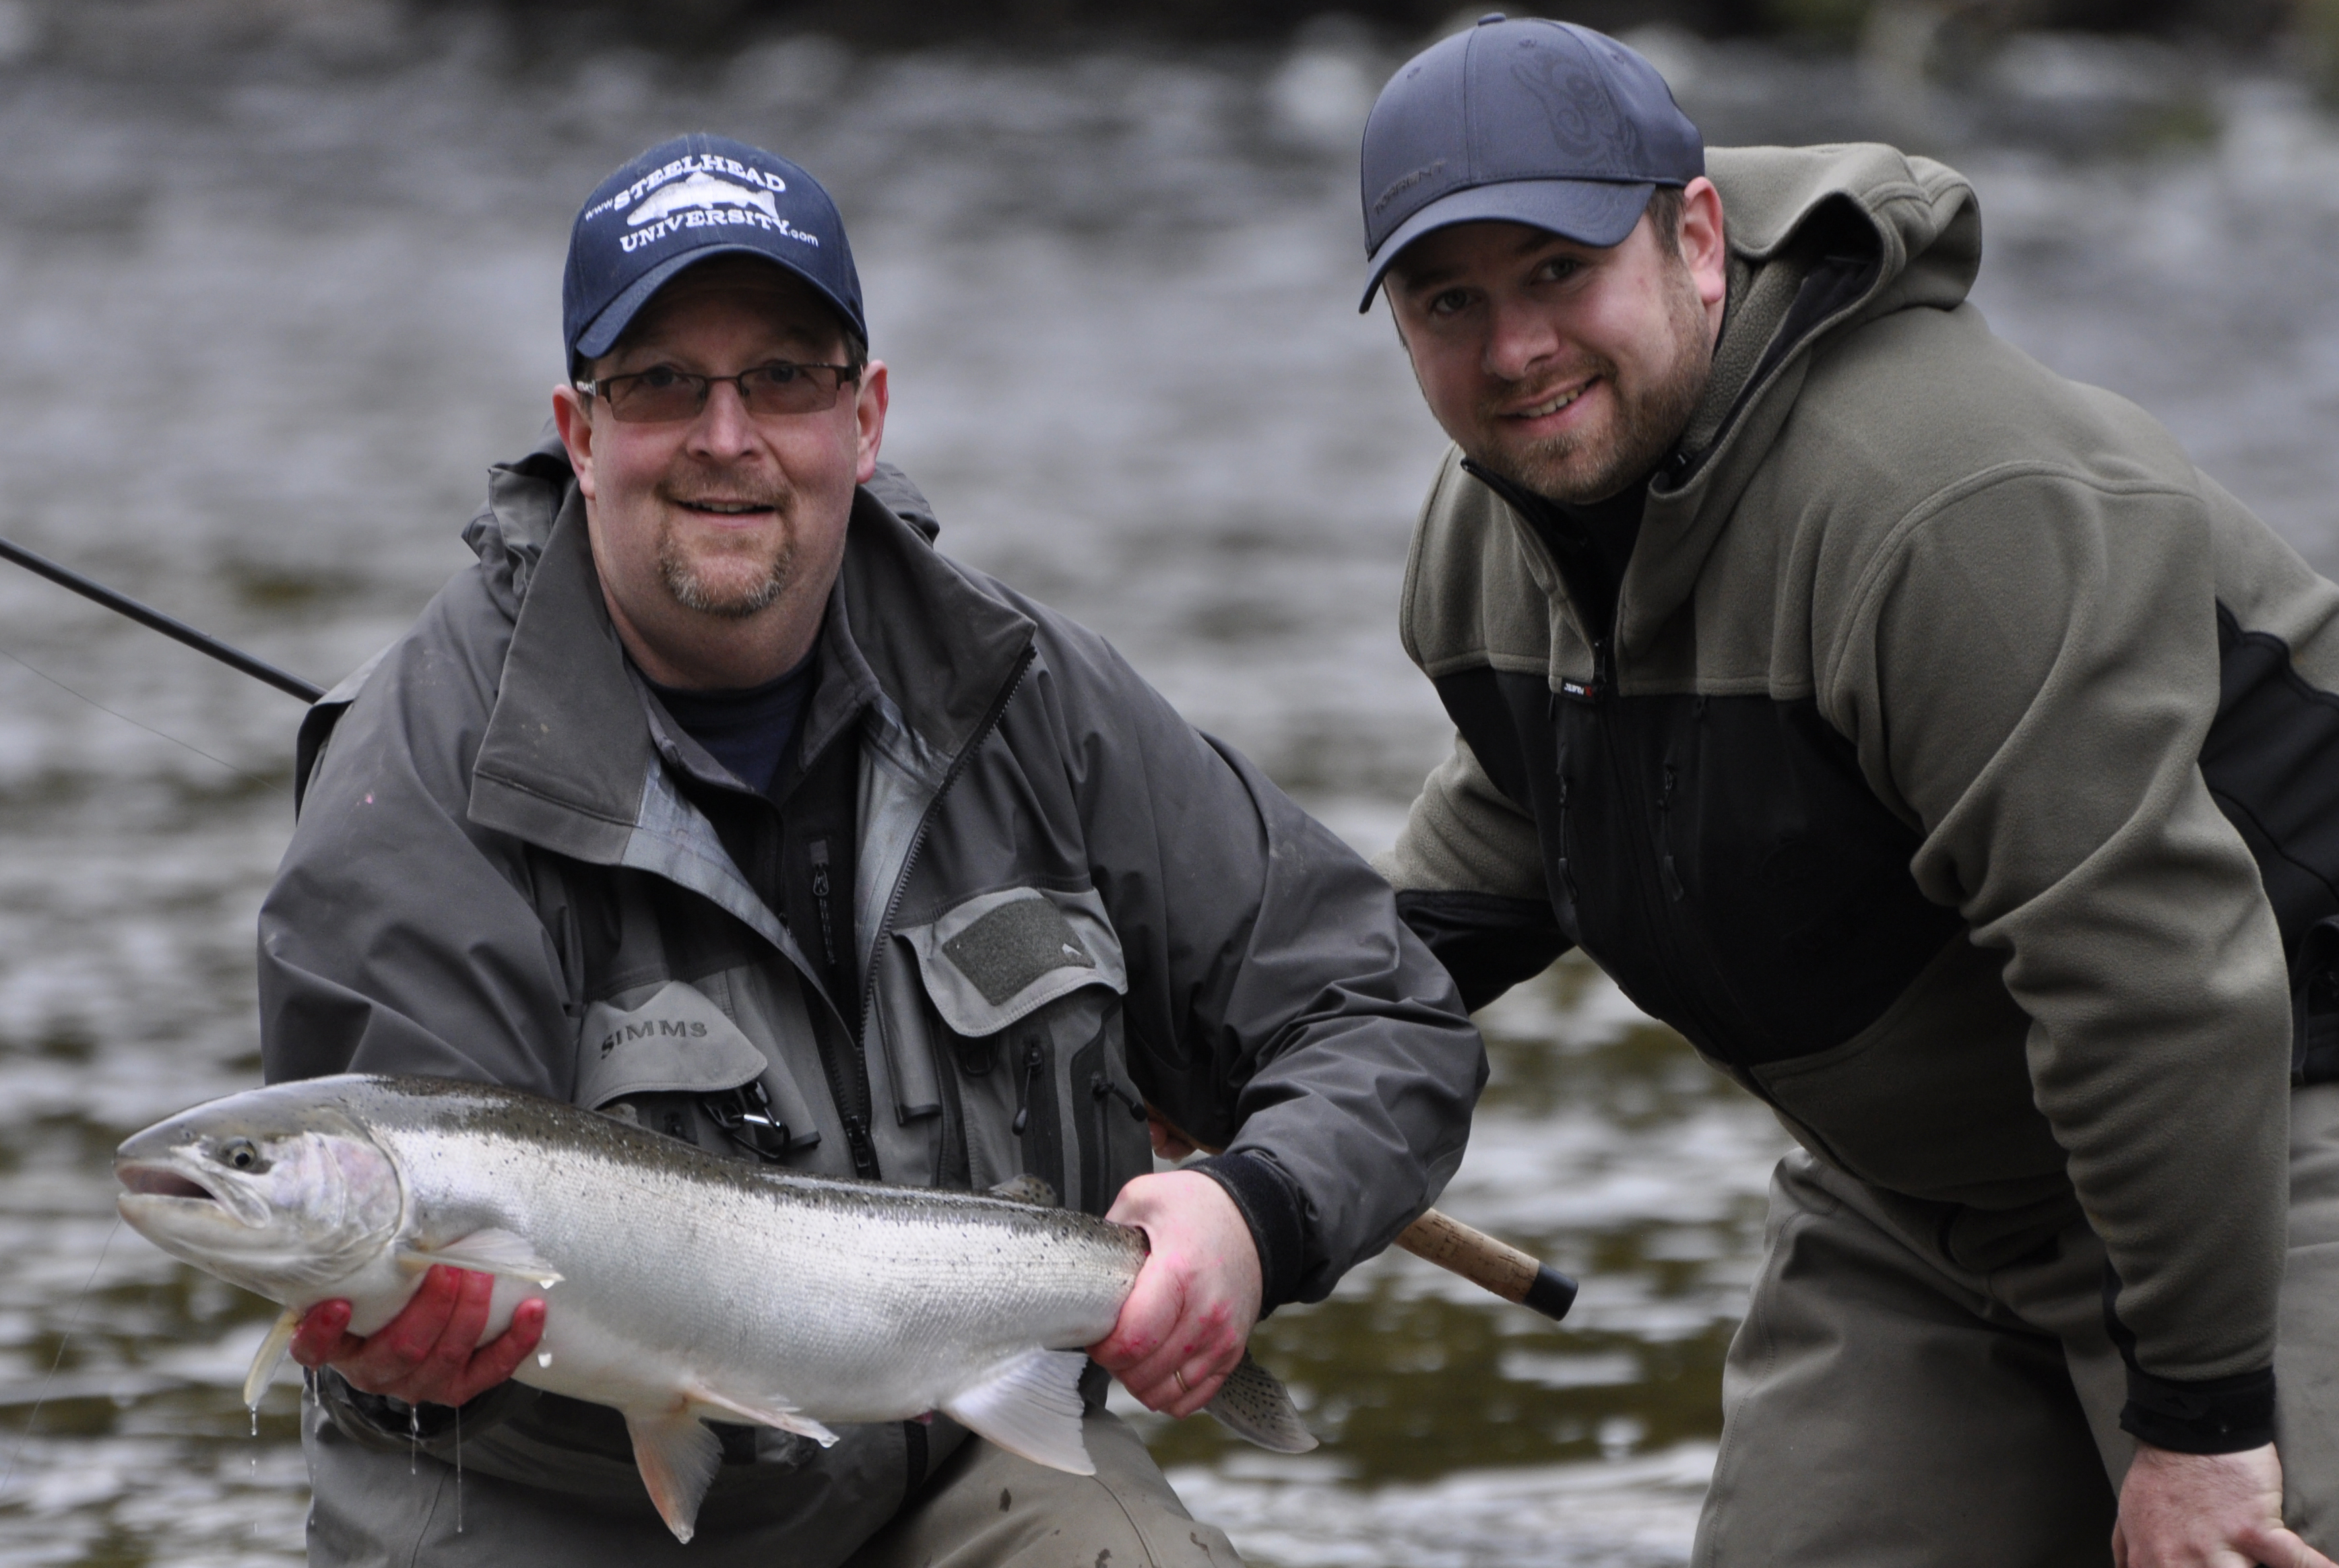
[724, 427]
[1518, 339]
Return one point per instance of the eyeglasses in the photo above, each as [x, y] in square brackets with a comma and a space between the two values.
[661, 394]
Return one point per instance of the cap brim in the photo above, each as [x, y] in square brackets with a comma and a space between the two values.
[1595, 212]
[602, 334]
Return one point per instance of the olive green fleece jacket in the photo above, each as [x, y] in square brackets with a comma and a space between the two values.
[2002, 590]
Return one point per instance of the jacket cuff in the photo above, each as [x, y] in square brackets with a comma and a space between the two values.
[2215, 1415]
[1272, 1207]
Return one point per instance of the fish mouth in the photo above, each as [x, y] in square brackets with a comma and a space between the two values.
[158, 1181]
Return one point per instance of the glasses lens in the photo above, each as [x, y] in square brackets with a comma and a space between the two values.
[785, 388]
[656, 395]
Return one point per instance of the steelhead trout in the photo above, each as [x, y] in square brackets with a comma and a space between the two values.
[681, 1287]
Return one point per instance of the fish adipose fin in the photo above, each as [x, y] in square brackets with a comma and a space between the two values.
[677, 1456]
[1254, 1405]
[270, 1356]
[1026, 1188]
[1032, 1408]
[485, 1252]
[786, 1417]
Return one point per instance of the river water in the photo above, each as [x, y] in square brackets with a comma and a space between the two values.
[276, 284]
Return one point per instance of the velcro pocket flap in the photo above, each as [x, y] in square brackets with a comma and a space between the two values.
[997, 957]
[676, 1039]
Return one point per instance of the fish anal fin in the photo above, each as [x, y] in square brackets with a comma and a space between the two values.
[1030, 1408]
[489, 1251]
[677, 1455]
[1254, 1405]
[766, 1413]
[270, 1356]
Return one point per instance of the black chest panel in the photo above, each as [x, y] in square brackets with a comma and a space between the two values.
[1721, 857]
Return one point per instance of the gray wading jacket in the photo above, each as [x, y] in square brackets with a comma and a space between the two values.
[1065, 898]
[1959, 770]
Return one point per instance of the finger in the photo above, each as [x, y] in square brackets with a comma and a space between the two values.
[2119, 1546]
[497, 1360]
[2279, 1548]
[441, 1371]
[393, 1351]
[323, 1333]
[1201, 1346]
[1146, 1321]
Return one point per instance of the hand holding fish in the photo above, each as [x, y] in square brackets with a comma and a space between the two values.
[1185, 1323]
[425, 1355]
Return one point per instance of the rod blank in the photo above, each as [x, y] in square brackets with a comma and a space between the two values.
[146, 615]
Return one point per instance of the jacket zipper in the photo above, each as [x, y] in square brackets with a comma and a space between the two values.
[818, 853]
[1665, 835]
[982, 729]
[1035, 1059]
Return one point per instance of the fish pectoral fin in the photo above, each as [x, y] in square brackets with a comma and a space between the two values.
[677, 1456]
[270, 1356]
[489, 1251]
[1032, 1408]
[770, 1413]
[1254, 1405]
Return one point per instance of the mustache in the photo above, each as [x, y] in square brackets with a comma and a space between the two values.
[700, 484]
[1528, 393]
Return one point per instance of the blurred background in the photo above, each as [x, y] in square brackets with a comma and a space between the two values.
[277, 281]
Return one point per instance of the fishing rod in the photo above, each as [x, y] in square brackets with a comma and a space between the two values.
[1495, 1266]
[147, 615]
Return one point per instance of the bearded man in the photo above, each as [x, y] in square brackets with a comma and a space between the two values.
[1944, 755]
[716, 799]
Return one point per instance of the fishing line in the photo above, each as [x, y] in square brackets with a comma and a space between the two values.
[149, 729]
[58, 1360]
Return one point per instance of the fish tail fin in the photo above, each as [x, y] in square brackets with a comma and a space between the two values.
[1254, 1405]
[677, 1455]
[1030, 1408]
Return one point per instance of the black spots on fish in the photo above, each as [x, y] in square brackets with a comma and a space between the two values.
[1104, 1557]
[1006, 1500]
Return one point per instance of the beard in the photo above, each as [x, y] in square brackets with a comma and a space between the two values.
[731, 583]
[1581, 467]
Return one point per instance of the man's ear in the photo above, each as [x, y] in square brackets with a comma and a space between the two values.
[1705, 244]
[869, 417]
[574, 418]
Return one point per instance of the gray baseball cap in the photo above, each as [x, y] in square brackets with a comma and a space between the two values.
[1531, 121]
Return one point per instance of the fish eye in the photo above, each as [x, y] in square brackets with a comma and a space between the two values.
[242, 1154]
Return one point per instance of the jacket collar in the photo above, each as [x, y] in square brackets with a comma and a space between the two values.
[911, 648]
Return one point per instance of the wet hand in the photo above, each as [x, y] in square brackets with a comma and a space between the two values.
[2206, 1510]
[429, 1354]
[1184, 1326]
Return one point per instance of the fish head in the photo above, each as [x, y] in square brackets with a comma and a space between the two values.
[278, 1191]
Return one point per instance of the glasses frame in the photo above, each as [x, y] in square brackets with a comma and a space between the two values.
[844, 375]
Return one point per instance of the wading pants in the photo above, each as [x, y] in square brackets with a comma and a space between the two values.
[1884, 1408]
[982, 1508]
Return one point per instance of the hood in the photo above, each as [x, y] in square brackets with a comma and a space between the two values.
[1822, 241]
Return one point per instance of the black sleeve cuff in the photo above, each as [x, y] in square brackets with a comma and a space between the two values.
[1272, 1207]
[1487, 943]
[2215, 1415]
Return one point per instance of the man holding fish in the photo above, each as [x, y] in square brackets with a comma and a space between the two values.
[716, 800]
[1954, 764]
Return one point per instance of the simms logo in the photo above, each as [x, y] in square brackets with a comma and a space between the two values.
[702, 190]
[682, 1029]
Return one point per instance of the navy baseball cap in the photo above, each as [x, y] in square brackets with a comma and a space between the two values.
[681, 202]
[1539, 122]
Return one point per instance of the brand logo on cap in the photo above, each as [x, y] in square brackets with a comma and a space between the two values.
[705, 191]
[699, 191]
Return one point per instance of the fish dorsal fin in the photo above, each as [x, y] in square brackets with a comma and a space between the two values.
[1027, 1189]
[677, 1456]
[270, 1356]
[489, 1251]
[1254, 1405]
[763, 1413]
[1032, 1408]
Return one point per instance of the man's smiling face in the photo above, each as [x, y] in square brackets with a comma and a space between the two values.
[1569, 370]
[716, 537]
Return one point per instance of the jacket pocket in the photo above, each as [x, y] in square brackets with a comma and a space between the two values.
[665, 1057]
[1023, 992]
